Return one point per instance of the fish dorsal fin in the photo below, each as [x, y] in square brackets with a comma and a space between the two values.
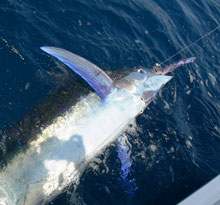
[91, 73]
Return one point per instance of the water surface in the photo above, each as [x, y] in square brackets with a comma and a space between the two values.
[175, 147]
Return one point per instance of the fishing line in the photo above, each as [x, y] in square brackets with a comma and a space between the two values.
[190, 45]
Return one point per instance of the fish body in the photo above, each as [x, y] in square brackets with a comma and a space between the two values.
[59, 154]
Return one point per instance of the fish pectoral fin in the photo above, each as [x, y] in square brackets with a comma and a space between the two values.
[91, 73]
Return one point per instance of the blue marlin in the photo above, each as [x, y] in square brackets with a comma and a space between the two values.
[59, 154]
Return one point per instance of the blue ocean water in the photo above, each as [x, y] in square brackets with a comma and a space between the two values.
[175, 147]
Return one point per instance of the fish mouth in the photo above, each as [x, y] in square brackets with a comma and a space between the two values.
[156, 82]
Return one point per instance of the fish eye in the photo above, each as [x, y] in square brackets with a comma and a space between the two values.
[140, 70]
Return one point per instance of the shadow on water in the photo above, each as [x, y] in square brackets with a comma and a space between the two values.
[63, 149]
[43, 173]
[56, 154]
